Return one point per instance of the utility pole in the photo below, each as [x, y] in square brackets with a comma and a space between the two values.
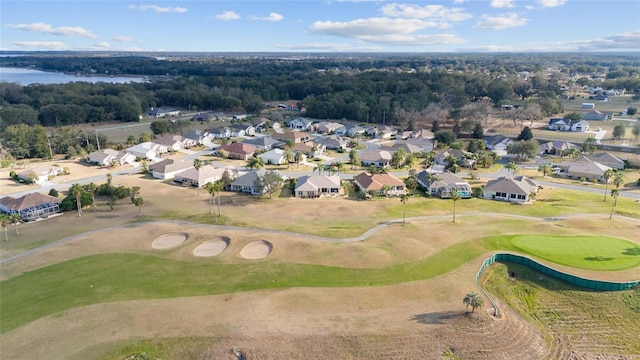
[97, 140]
[50, 151]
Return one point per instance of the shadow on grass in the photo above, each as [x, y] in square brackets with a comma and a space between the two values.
[598, 258]
[437, 317]
[632, 251]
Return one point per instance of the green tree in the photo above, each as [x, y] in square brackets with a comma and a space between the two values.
[618, 178]
[270, 182]
[473, 300]
[145, 137]
[455, 196]
[573, 116]
[404, 198]
[15, 219]
[590, 145]
[614, 193]
[399, 157]
[632, 111]
[608, 174]
[512, 168]
[139, 202]
[524, 149]
[525, 134]
[76, 191]
[386, 190]
[255, 162]
[636, 131]
[289, 157]
[545, 169]
[92, 188]
[619, 131]
[211, 190]
[354, 159]
[5, 221]
[445, 137]
[219, 186]
[478, 131]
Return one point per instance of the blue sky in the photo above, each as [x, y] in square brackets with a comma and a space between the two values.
[321, 25]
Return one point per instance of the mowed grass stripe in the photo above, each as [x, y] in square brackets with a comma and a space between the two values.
[119, 277]
[584, 252]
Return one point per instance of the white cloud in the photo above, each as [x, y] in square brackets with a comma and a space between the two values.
[459, 1]
[123, 38]
[102, 45]
[314, 46]
[48, 29]
[273, 17]
[500, 22]
[502, 3]
[158, 9]
[413, 40]
[628, 40]
[227, 15]
[487, 48]
[41, 45]
[551, 3]
[435, 12]
[371, 27]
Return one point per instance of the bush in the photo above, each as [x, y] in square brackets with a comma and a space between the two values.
[53, 192]
[13, 174]
[69, 202]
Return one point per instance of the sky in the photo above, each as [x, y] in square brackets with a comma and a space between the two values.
[321, 25]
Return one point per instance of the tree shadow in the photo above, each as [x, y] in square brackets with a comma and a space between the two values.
[632, 251]
[440, 317]
[598, 258]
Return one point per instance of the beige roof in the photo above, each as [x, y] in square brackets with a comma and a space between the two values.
[27, 201]
[376, 181]
[315, 182]
[520, 185]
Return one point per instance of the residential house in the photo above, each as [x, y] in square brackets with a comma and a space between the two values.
[354, 130]
[462, 157]
[40, 174]
[597, 115]
[109, 157]
[259, 124]
[375, 183]
[441, 184]
[200, 137]
[162, 112]
[273, 157]
[582, 168]
[168, 168]
[147, 150]
[386, 132]
[241, 130]
[309, 149]
[422, 133]
[328, 127]
[518, 189]
[239, 150]
[175, 142]
[31, 207]
[333, 142]
[246, 183]
[556, 147]
[425, 145]
[559, 124]
[221, 132]
[300, 123]
[204, 117]
[295, 136]
[405, 145]
[263, 142]
[497, 142]
[607, 159]
[204, 175]
[314, 186]
[379, 158]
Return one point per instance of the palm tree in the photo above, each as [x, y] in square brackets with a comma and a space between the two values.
[138, 202]
[404, 198]
[219, 186]
[386, 189]
[15, 219]
[512, 168]
[212, 191]
[255, 162]
[93, 188]
[340, 167]
[474, 300]
[109, 179]
[299, 157]
[354, 159]
[607, 175]
[455, 196]
[4, 221]
[197, 164]
[545, 169]
[133, 192]
[289, 157]
[399, 158]
[76, 190]
[112, 202]
[618, 178]
[615, 193]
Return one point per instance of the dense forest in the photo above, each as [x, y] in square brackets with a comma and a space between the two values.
[390, 89]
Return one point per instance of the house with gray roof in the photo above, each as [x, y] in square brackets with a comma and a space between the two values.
[31, 207]
[263, 142]
[301, 124]
[582, 168]
[441, 184]
[315, 186]
[518, 189]
[379, 158]
[168, 168]
[607, 159]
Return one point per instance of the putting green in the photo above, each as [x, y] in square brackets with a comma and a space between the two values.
[585, 252]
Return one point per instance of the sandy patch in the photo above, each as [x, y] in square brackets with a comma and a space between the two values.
[211, 247]
[168, 241]
[256, 250]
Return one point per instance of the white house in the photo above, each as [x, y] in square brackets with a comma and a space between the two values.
[518, 189]
[300, 123]
[568, 125]
[147, 150]
[39, 174]
[273, 157]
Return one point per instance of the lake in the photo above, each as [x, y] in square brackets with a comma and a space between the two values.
[28, 76]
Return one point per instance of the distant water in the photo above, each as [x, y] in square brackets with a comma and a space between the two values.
[28, 76]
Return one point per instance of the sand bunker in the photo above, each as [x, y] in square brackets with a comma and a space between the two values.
[169, 240]
[211, 247]
[256, 250]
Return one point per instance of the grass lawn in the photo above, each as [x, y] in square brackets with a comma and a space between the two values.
[118, 277]
[586, 252]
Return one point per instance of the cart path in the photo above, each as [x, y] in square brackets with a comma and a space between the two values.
[362, 237]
